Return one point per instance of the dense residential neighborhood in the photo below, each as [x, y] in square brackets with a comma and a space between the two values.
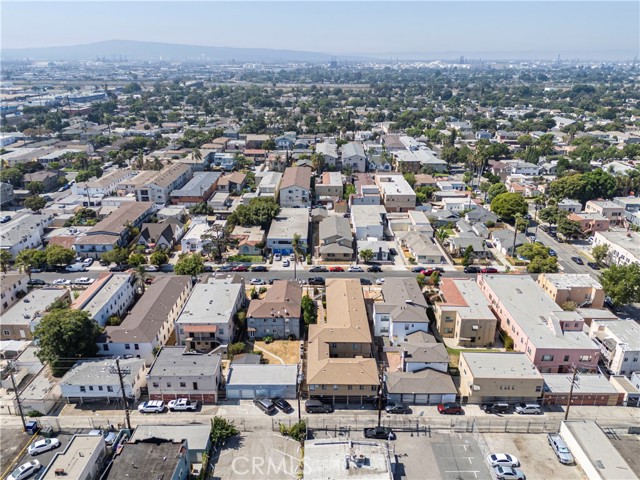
[248, 251]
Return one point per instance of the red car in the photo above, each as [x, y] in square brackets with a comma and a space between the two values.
[489, 270]
[450, 408]
[240, 268]
[336, 269]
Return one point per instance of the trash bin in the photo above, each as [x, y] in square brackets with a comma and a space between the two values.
[32, 427]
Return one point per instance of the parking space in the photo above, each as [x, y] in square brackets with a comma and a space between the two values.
[258, 455]
[537, 459]
[455, 456]
[44, 458]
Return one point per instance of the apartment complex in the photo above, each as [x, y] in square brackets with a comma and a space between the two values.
[278, 314]
[619, 342]
[581, 289]
[624, 247]
[295, 187]
[397, 195]
[13, 286]
[107, 297]
[340, 366]
[395, 317]
[158, 188]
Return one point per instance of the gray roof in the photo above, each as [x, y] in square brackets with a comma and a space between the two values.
[334, 226]
[500, 365]
[200, 183]
[505, 237]
[91, 372]
[146, 459]
[211, 303]
[351, 149]
[289, 222]
[396, 291]
[11, 233]
[173, 362]
[197, 436]
[421, 382]
[240, 375]
[32, 306]
[585, 384]
[246, 359]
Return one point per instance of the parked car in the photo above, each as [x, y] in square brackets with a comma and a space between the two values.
[393, 251]
[317, 406]
[150, 268]
[489, 270]
[61, 281]
[509, 473]
[417, 269]
[152, 406]
[109, 437]
[379, 281]
[593, 265]
[502, 460]
[285, 263]
[355, 269]
[225, 268]
[528, 409]
[271, 280]
[183, 405]
[259, 268]
[282, 404]
[544, 228]
[25, 470]
[498, 407]
[277, 257]
[450, 408]
[83, 281]
[318, 269]
[87, 262]
[257, 281]
[365, 281]
[266, 405]
[471, 269]
[560, 448]
[374, 269]
[36, 282]
[43, 445]
[5, 219]
[119, 268]
[240, 268]
[103, 262]
[76, 267]
[383, 433]
[400, 408]
[577, 260]
[336, 269]
[316, 281]
[207, 268]
[552, 253]
[36, 270]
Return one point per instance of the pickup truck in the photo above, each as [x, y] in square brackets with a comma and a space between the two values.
[183, 404]
[560, 448]
[384, 433]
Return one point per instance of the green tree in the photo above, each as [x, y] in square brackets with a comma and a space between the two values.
[259, 212]
[30, 258]
[435, 278]
[158, 258]
[65, 335]
[569, 228]
[136, 259]
[422, 280]
[189, 264]
[600, 252]
[442, 234]
[495, 190]
[216, 240]
[35, 187]
[467, 258]
[551, 214]
[57, 255]
[349, 190]
[508, 205]
[5, 258]
[236, 349]
[35, 203]
[410, 178]
[118, 255]
[366, 255]
[13, 176]
[308, 310]
[221, 430]
[296, 245]
[622, 283]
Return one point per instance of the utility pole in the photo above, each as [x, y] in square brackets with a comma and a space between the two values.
[380, 402]
[124, 395]
[515, 234]
[15, 389]
[573, 381]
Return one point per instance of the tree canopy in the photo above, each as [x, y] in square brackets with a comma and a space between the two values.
[259, 212]
[35, 203]
[65, 336]
[622, 283]
[189, 264]
[58, 255]
[508, 205]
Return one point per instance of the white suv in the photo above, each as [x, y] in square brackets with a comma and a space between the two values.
[528, 409]
[152, 406]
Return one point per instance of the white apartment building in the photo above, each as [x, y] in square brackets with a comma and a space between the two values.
[159, 188]
[367, 221]
[24, 230]
[11, 284]
[353, 155]
[624, 247]
[106, 297]
[105, 185]
[619, 342]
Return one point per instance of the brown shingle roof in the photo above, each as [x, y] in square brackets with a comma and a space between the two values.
[283, 299]
[296, 176]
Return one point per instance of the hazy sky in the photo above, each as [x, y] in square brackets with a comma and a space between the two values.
[588, 28]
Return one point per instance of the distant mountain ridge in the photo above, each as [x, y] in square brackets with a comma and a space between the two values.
[136, 50]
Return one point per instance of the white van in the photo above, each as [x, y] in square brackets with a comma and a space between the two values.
[76, 267]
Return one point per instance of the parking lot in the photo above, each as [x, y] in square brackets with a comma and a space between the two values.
[438, 455]
[258, 455]
[22, 454]
[12, 441]
[537, 459]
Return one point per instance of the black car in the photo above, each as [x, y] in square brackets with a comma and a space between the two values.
[384, 433]
[577, 260]
[314, 405]
[397, 408]
[208, 268]
[259, 268]
[282, 404]
[36, 281]
[104, 263]
[393, 251]
[374, 269]
[316, 281]
[119, 268]
[365, 281]
[471, 269]
[266, 405]
[271, 280]
[498, 407]
[418, 269]
[318, 269]
[593, 265]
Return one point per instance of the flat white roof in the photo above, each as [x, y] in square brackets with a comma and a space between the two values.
[262, 375]
[325, 459]
[75, 457]
[210, 303]
[367, 215]
[500, 365]
[564, 281]
[289, 222]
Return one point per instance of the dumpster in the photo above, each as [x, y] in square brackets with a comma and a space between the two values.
[32, 427]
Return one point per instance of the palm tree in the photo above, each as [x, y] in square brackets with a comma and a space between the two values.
[442, 234]
[297, 252]
[23, 264]
[366, 255]
[5, 258]
[140, 275]
[197, 155]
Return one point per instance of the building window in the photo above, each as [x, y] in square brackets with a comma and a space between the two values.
[547, 358]
[350, 387]
[538, 388]
[312, 387]
[156, 385]
[83, 389]
[136, 346]
[6, 332]
[168, 384]
[100, 388]
[324, 387]
[335, 387]
[361, 387]
[195, 385]
[183, 384]
[109, 388]
[585, 358]
[127, 346]
[566, 358]
[91, 388]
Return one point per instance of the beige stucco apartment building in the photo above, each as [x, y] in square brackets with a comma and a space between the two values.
[582, 289]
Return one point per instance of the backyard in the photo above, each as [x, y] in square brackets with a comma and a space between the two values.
[287, 350]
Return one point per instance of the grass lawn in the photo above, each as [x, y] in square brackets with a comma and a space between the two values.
[288, 351]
